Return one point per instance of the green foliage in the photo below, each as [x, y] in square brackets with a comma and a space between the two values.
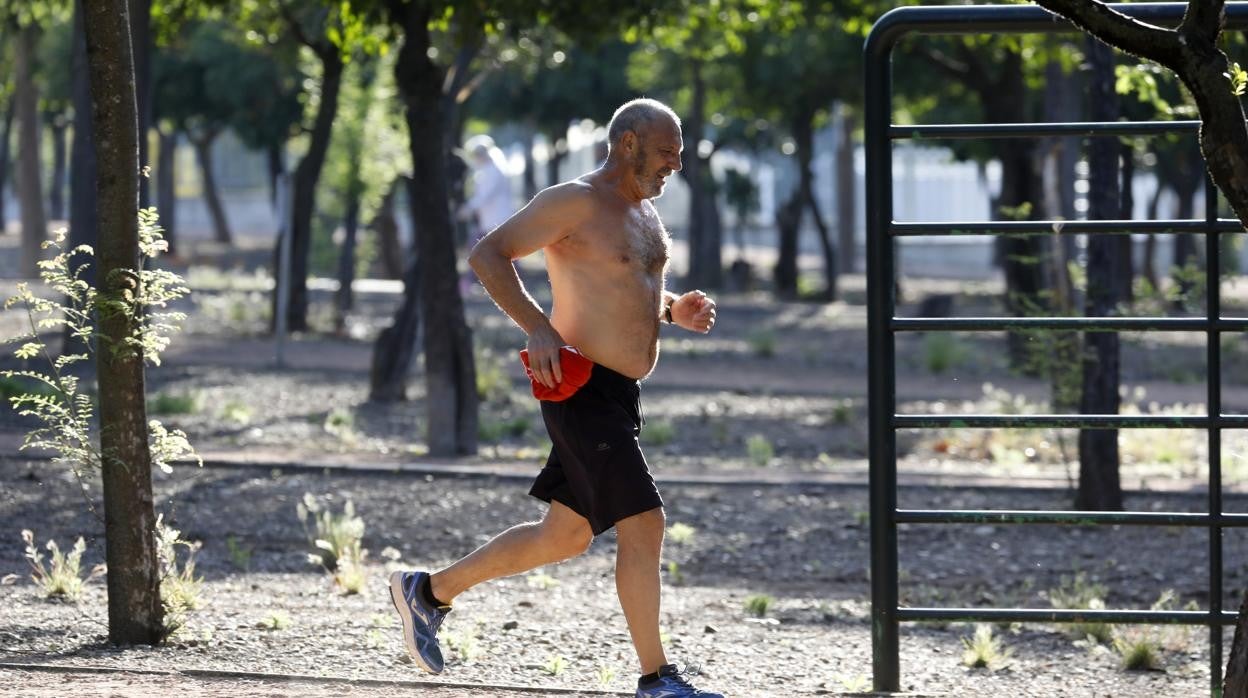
[681, 533]
[555, 665]
[762, 342]
[541, 580]
[276, 620]
[168, 403]
[492, 431]
[493, 381]
[180, 589]
[1139, 651]
[943, 351]
[465, 642]
[62, 580]
[758, 605]
[1078, 592]
[674, 573]
[240, 555]
[984, 651]
[65, 412]
[606, 675]
[334, 536]
[759, 450]
[1239, 79]
[659, 432]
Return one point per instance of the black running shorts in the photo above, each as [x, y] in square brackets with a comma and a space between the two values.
[596, 467]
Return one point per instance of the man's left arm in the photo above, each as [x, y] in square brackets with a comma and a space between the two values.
[694, 311]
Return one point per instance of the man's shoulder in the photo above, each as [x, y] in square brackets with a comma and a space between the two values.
[569, 197]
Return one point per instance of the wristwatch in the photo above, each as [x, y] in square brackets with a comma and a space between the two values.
[667, 311]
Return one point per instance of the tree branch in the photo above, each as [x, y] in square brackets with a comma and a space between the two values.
[1203, 20]
[947, 64]
[1118, 30]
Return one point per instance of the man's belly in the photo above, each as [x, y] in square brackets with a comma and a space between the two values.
[630, 347]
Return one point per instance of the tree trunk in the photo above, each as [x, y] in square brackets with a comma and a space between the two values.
[1150, 242]
[141, 45]
[1126, 245]
[804, 139]
[387, 229]
[705, 262]
[166, 192]
[6, 131]
[307, 174]
[212, 197]
[1235, 683]
[83, 166]
[552, 164]
[56, 194]
[1181, 173]
[450, 374]
[396, 345]
[29, 175]
[1099, 487]
[277, 168]
[345, 299]
[788, 223]
[135, 615]
[846, 191]
[530, 176]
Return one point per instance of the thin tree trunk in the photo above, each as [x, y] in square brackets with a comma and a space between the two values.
[166, 194]
[344, 300]
[846, 191]
[705, 261]
[1150, 243]
[56, 194]
[141, 45]
[387, 229]
[804, 139]
[450, 374]
[395, 347]
[29, 174]
[277, 167]
[530, 176]
[1126, 245]
[1235, 683]
[307, 174]
[788, 224]
[1099, 486]
[83, 166]
[6, 131]
[135, 615]
[212, 197]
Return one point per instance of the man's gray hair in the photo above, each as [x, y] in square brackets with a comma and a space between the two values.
[632, 115]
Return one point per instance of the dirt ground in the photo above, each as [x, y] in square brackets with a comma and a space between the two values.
[757, 435]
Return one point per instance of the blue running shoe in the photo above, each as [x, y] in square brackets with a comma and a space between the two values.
[671, 684]
[420, 620]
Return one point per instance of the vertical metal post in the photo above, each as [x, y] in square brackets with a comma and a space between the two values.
[1213, 373]
[882, 391]
[282, 280]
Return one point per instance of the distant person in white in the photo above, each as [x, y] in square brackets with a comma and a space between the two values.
[491, 202]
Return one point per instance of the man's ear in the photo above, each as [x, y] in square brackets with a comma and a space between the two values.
[629, 141]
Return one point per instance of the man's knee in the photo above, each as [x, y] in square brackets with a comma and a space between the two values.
[646, 526]
[567, 538]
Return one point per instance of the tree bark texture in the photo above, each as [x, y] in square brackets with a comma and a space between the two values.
[6, 132]
[56, 192]
[705, 260]
[804, 139]
[166, 193]
[395, 347]
[135, 615]
[846, 192]
[450, 373]
[387, 229]
[83, 227]
[212, 196]
[141, 44]
[1126, 246]
[29, 173]
[1099, 487]
[788, 223]
[1235, 681]
[307, 174]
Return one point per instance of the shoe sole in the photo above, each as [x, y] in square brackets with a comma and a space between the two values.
[405, 615]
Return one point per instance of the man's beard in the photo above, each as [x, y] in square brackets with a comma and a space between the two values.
[649, 182]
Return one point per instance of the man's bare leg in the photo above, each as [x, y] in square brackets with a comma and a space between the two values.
[640, 543]
[562, 534]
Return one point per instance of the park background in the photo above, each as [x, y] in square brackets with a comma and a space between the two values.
[759, 429]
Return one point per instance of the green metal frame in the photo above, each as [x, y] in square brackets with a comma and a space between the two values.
[882, 326]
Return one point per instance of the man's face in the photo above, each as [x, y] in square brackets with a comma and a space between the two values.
[657, 156]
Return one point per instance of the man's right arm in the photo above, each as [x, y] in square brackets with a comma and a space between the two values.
[547, 219]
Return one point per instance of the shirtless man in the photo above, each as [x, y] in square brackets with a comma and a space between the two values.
[606, 255]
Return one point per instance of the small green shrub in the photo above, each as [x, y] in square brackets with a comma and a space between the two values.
[759, 450]
[341, 423]
[334, 537]
[62, 580]
[984, 651]
[237, 413]
[240, 555]
[171, 403]
[555, 665]
[1139, 650]
[1079, 593]
[277, 620]
[465, 642]
[843, 411]
[606, 676]
[674, 574]
[681, 533]
[541, 580]
[762, 342]
[180, 590]
[659, 432]
[758, 605]
[493, 382]
[943, 351]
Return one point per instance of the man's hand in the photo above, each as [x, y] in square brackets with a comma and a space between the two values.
[544, 344]
[694, 311]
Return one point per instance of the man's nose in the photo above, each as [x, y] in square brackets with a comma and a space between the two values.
[676, 164]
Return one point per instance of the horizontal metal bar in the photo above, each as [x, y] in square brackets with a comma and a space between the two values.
[1089, 324]
[1062, 421]
[1076, 518]
[1073, 128]
[1062, 615]
[1199, 227]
